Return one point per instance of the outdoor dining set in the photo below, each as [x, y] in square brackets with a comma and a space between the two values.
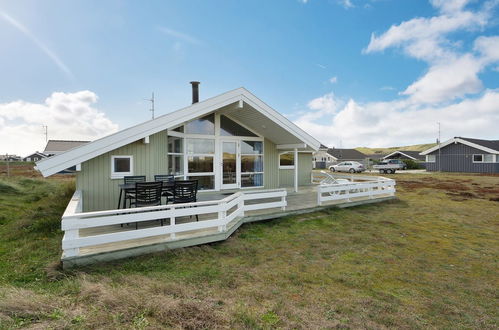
[141, 193]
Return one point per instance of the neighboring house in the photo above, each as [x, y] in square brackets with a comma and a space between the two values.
[34, 157]
[10, 158]
[331, 156]
[321, 158]
[464, 155]
[229, 142]
[405, 154]
[55, 147]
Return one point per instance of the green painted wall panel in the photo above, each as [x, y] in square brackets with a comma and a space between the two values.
[287, 177]
[270, 165]
[100, 192]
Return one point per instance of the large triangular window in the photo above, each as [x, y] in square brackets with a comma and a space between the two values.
[228, 127]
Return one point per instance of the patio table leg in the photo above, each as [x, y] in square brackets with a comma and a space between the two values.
[119, 199]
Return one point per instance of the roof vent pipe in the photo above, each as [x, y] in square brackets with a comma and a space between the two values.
[195, 91]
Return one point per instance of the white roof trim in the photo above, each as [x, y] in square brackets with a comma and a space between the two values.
[399, 152]
[64, 160]
[458, 140]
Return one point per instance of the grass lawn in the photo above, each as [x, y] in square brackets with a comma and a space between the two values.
[426, 260]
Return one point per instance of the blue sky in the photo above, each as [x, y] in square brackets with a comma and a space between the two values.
[351, 72]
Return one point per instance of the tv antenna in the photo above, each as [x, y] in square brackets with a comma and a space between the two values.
[46, 128]
[152, 104]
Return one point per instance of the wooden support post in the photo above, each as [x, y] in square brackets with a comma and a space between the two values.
[221, 217]
[70, 235]
[172, 223]
[296, 169]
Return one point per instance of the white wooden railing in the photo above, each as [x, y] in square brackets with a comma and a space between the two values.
[359, 186]
[219, 212]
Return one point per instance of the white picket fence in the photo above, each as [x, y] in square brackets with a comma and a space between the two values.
[222, 212]
[364, 186]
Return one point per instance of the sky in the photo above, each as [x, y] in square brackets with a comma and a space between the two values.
[352, 73]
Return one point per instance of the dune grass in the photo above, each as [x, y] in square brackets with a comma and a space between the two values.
[426, 260]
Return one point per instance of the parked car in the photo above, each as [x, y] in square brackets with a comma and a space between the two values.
[352, 167]
[390, 166]
[401, 165]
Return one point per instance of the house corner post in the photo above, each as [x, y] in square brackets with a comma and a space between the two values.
[296, 169]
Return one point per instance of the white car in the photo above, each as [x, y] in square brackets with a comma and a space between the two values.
[352, 167]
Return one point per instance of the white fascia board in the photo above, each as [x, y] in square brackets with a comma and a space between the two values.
[279, 119]
[399, 152]
[291, 146]
[458, 140]
[52, 165]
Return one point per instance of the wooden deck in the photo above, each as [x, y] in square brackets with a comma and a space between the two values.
[304, 201]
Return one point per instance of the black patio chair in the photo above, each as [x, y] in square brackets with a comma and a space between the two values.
[185, 192]
[130, 194]
[147, 194]
[168, 187]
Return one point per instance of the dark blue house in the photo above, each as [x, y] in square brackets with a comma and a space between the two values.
[464, 155]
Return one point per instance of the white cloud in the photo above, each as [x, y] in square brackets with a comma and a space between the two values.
[398, 123]
[50, 53]
[180, 35]
[69, 116]
[333, 80]
[447, 81]
[387, 88]
[346, 4]
[450, 91]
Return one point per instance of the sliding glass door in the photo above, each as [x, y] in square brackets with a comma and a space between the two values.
[230, 164]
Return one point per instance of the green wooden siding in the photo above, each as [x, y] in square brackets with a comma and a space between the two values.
[287, 177]
[100, 192]
[270, 165]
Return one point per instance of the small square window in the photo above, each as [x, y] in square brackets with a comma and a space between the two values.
[477, 158]
[430, 158]
[287, 160]
[121, 166]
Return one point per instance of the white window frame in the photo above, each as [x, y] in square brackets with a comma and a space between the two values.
[241, 173]
[217, 170]
[120, 175]
[483, 158]
[286, 167]
[431, 161]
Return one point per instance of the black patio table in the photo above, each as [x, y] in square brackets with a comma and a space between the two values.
[129, 187]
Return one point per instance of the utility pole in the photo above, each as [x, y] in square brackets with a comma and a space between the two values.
[46, 128]
[439, 153]
[8, 165]
[152, 104]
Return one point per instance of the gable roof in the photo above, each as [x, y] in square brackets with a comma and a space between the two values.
[414, 155]
[489, 146]
[37, 153]
[240, 96]
[346, 154]
[58, 146]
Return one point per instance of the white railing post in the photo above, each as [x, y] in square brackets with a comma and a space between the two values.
[319, 195]
[172, 222]
[221, 216]
[283, 200]
[70, 235]
[240, 205]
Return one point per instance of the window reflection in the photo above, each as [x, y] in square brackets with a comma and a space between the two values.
[204, 125]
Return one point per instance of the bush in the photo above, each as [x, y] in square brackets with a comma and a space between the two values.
[412, 164]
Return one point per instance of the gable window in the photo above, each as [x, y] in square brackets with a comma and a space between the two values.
[485, 158]
[287, 161]
[204, 125]
[228, 127]
[430, 158]
[121, 166]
